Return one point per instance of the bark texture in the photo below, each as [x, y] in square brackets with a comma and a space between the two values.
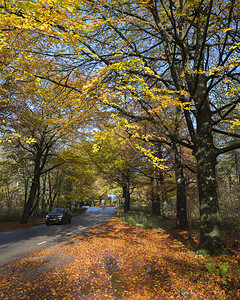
[126, 196]
[33, 191]
[205, 152]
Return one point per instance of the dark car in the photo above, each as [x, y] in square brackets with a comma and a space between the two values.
[58, 216]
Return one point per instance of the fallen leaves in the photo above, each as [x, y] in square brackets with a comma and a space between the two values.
[118, 261]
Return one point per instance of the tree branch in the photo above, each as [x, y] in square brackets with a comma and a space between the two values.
[226, 133]
[48, 170]
[229, 148]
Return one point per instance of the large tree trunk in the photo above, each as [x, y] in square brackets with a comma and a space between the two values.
[126, 196]
[29, 204]
[33, 190]
[205, 152]
[210, 235]
[35, 210]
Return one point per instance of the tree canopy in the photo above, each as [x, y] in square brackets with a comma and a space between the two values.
[172, 64]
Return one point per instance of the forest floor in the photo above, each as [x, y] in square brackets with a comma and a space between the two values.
[120, 261]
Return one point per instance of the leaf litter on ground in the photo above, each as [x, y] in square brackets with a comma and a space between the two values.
[120, 261]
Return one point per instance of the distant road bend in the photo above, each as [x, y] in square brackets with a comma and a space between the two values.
[16, 243]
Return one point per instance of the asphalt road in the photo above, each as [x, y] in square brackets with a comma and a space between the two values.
[16, 243]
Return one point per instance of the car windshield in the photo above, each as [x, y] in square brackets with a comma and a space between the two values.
[58, 210]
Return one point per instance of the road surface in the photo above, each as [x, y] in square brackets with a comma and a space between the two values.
[16, 243]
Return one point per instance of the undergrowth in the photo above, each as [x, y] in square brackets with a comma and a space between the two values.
[10, 216]
[146, 221]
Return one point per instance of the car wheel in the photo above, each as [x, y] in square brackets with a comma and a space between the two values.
[47, 223]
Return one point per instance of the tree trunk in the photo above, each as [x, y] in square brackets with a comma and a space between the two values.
[205, 152]
[155, 198]
[43, 202]
[181, 221]
[126, 196]
[33, 190]
[161, 188]
[29, 204]
[26, 185]
[210, 235]
[158, 185]
[230, 186]
[156, 204]
[164, 204]
[237, 162]
[35, 209]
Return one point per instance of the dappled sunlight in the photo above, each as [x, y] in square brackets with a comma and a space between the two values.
[119, 261]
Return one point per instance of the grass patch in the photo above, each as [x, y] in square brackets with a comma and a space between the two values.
[146, 221]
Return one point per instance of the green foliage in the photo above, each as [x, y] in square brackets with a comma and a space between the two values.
[220, 269]
[146, 221]
[146, 209]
